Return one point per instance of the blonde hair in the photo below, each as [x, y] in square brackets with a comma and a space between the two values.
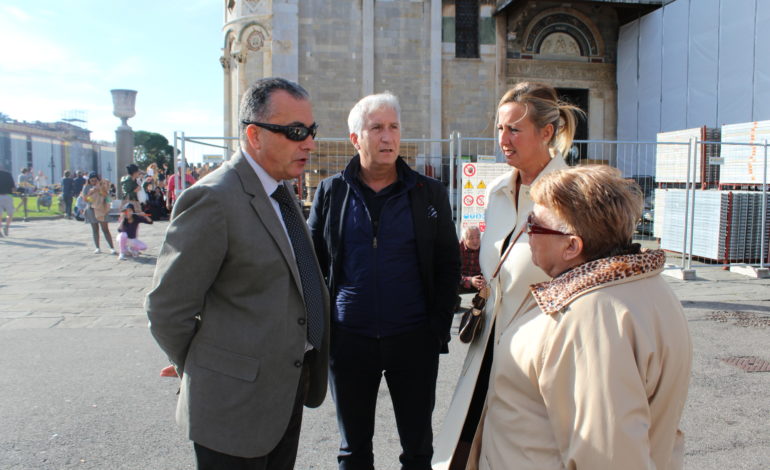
[595, 203]
[544, 107]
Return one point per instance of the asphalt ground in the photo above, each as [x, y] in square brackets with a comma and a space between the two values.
[80, 385]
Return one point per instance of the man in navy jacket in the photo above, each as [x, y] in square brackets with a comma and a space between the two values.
[387, 247]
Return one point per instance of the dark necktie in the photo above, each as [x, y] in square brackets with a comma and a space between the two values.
[305, 257]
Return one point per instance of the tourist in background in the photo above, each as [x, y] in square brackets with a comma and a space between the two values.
[41, 180]
[156, 204]
[96, 194]
[471, 279]
[129, 184]
[6, 199]
[25, 185]
[152, 171]
[67, 191]
[80, 181]
[128, 231]
[175, 185]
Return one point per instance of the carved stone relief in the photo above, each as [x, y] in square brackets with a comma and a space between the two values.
[255, 40]
[560, 44]
[252, 5]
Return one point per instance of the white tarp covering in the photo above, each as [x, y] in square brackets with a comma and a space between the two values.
[702, 70]
[698, 62]
[628, 89]
[762, 64]
[736, 61]
[650, 52]
[674, 69]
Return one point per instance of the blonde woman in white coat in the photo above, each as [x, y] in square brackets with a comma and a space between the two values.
[534, 130]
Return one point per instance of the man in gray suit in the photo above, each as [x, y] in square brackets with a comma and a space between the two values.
[238, 303]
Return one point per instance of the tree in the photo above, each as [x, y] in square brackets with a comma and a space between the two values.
[151, 147]
[5, 118]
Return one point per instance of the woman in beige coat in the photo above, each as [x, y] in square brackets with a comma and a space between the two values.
[534, 130]
[593, 374]
[96, 193]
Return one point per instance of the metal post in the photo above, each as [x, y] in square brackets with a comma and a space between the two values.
[693, 151]
[458, 150]
[763, 229]
[173, 163]
[686, 203]
[452, 183]
[183, 176]
[52, 165]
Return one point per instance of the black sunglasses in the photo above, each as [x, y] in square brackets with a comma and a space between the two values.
[539, 229]
[297, 132]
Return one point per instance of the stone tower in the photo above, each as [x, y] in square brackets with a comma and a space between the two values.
[261, 39]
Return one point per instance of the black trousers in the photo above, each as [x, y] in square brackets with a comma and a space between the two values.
[282, 457]
[67, 205]
[410, 364]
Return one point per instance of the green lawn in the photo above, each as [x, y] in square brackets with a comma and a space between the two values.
[32, 208]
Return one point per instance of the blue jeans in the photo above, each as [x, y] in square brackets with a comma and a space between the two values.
[409, 362]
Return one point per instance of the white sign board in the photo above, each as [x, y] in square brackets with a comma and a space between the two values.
[476, 177]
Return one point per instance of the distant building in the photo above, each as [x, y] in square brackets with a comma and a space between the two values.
[54, 147]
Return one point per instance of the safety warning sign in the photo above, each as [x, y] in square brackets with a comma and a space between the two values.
[476, 178]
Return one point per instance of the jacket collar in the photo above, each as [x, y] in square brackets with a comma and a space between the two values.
[405, 174]
[507, 184]
[555, 295]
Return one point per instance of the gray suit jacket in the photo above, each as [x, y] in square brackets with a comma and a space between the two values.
[227, 258]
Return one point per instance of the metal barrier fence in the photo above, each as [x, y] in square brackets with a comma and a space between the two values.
[431, 157]
[704, 202]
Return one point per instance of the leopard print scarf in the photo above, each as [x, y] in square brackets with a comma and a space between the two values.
[552, 296]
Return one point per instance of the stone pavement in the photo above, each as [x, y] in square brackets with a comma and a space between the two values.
[80, 386]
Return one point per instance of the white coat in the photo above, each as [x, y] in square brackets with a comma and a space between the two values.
[508, 291]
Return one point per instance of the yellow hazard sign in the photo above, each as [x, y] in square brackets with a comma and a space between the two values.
[481, 185]
[468, 185]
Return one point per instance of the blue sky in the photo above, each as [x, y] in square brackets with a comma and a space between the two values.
[58, 56]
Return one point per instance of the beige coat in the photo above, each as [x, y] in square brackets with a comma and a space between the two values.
[592, 376]
[96, 197]
[516, 275]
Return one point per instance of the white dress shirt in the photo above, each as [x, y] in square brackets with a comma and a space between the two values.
[270, 184]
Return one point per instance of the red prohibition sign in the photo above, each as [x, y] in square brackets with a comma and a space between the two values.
[480, 200]
[469, 169]
[468, 200]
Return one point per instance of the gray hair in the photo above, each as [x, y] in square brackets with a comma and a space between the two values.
[369, 104]
[467, 231]
[255, 104]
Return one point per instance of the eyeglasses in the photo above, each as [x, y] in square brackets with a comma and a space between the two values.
[297, 132]
[539, 229]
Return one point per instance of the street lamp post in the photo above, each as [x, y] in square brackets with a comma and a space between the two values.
[123, 102]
